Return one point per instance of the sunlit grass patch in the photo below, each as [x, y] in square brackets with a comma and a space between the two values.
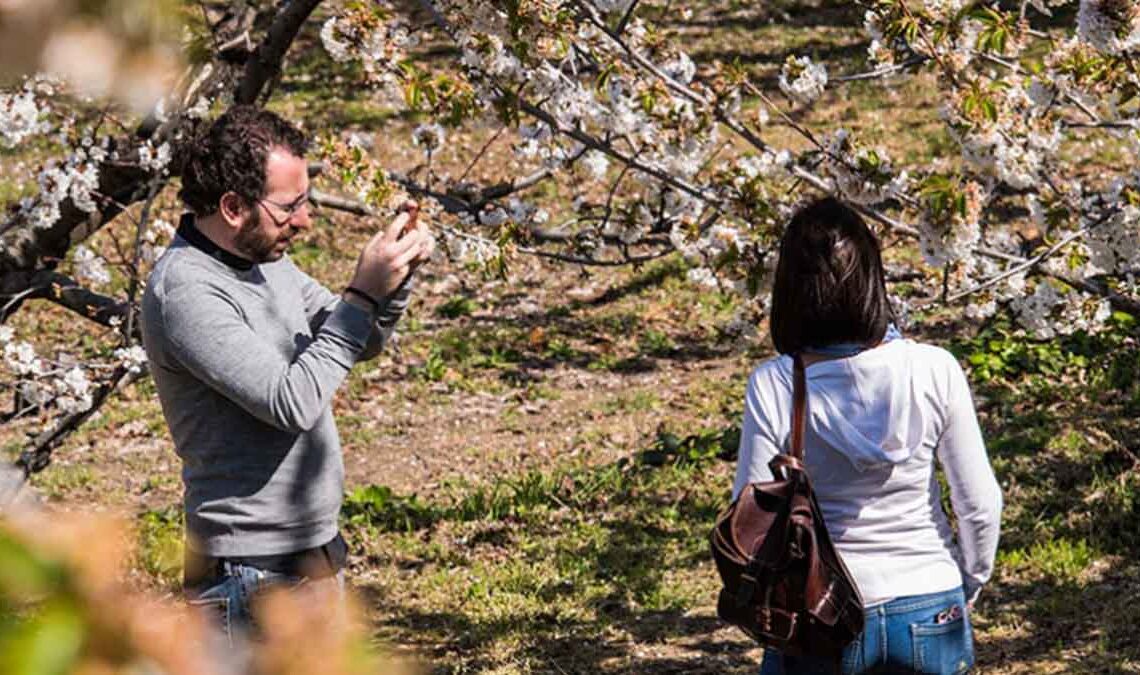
[160, 543]
[63, 479]
[1062, 561]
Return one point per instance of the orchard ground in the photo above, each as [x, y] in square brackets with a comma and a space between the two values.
[533, 471]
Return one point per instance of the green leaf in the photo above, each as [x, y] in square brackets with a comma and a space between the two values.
[47, 644]
[23, 573]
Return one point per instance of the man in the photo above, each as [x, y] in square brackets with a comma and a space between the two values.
[246, 353]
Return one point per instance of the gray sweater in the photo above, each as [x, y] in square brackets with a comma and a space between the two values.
[246, 362]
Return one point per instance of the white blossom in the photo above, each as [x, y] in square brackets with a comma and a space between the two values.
[84, 182]
[872, 23]
[430, 136]
[22, 360]
[469, 250]
[1033, 310]
[702, 276]
[159, 230]
[74, 381]
[722, 238]
[953, 237]
[596, 163]
[20, 117]
[862, 175]
[493, 217]
[35, 393]
[879, 54]
[154, 159]
[1115, 243]
[133, 357]
[802, 80]
[978, 311]
[200, 109]
[1110, 26]
[681, 68]
[89, 267]
[943, 9]
[337, 49]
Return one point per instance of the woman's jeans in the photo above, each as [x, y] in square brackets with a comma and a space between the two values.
[228, 601]
[912, 634]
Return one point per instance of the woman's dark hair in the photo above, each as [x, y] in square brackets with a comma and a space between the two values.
[829, 284]
[230, 156]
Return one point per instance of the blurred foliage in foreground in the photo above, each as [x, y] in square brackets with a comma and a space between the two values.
[65, 608]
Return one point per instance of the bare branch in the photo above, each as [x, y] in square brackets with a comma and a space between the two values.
[626, 17]
[65, 292]
[266, 63]
[538, 235]
[133, 287]
[479, 155]
[595, 262]
[917, 59]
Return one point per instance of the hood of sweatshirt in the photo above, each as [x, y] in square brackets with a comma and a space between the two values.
[863, 406]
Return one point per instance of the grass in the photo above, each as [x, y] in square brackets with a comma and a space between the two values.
[520, 570]
[159, 544]
[63, 480]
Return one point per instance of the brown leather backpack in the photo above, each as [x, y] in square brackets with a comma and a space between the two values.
[784, 584]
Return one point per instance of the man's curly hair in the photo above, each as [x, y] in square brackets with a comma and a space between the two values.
[230, 156]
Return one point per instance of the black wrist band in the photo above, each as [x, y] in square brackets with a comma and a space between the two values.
[364, 296]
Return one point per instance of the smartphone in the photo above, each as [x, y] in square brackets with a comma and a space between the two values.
[413, 210]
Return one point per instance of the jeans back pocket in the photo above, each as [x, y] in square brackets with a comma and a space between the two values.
[943, 648]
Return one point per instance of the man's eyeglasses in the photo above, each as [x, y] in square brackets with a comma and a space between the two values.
[291, 209]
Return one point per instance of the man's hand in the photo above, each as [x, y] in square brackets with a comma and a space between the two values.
[388, 257]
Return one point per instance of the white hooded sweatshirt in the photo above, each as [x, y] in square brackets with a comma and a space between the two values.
[876, 421]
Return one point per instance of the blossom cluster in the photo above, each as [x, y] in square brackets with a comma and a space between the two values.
[593, 99]
[374, 37]
[949, 232]
[802, 80]
[1110, 26]
[1047, 308]
[21, 116]
[861, 175]
[76, 177]
[39, 383]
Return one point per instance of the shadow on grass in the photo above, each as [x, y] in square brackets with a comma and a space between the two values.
[1061, 427]
[591, 586]
[1089, 626]
[574, 335]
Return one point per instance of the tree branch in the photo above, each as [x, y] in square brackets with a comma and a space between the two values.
[65, 292]
[266, 63]
[27, 246]
[38, 455]
[538, 235]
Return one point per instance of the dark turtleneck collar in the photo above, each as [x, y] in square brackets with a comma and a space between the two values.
[190, 232]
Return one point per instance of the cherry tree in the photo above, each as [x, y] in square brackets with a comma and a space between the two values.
[664, 156]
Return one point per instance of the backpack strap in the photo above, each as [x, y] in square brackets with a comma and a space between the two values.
[799, 405]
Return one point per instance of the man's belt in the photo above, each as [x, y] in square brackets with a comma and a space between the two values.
[315, 563]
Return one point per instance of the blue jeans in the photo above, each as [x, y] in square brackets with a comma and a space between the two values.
[900, 636]
[228, 601]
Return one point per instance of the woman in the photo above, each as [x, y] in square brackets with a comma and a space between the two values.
[880, 410]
